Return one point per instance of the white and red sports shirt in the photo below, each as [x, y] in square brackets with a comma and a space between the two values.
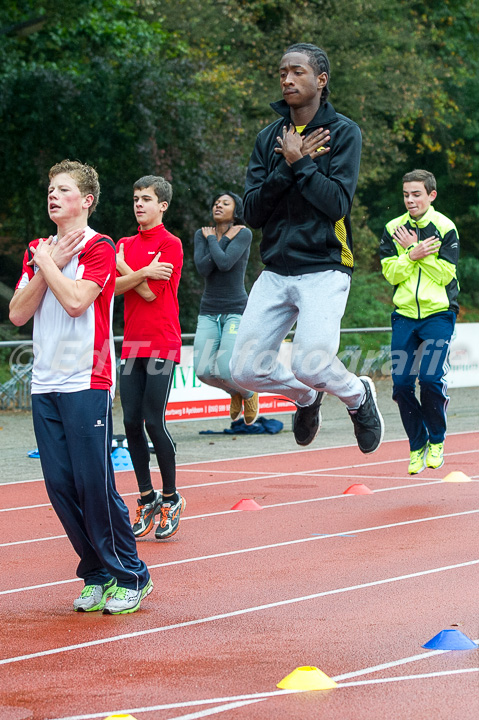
[72, 354]
[152, 329]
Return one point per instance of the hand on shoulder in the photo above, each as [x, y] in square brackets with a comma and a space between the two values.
[234, 230]
[208, 230]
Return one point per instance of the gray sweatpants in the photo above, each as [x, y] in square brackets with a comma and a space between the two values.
[316, 302]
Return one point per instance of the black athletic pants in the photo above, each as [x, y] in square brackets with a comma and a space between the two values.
[144, 389]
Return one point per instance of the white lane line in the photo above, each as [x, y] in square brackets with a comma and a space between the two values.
[236, 613]
[20, 482]
[221, 472]
[26, 507]
[221, 708]
[320, 472]
[328, 470]
[258, 548]
[391, 664]
[318, 449]
[401, 678]
[263, 696]
[265, 507]
[35, 540]
[216, 710]
[279, 475]
[314, 472]
[186, 465]
[256, 697]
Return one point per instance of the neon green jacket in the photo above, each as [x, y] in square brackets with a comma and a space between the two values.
[427, 286]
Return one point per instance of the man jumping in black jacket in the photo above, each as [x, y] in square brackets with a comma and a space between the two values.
[299, 190]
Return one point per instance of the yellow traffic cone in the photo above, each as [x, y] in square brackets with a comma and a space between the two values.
[456, 476]
[307, 678]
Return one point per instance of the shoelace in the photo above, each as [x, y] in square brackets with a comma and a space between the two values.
[139, 510]
[120, 593]
[435, 450]
[87, 591]
[165, 511]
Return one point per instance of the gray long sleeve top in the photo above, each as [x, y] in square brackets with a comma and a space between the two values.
[223, 266]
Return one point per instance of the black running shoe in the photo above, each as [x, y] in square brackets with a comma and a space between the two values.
[307, 421]
[367, 420]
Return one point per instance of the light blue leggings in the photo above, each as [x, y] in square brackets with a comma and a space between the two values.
[213, 347]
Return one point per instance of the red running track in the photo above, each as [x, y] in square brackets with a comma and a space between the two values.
[351, 584]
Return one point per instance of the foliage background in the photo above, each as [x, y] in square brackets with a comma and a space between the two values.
[180, 89]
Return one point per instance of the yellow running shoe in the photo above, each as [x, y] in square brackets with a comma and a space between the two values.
[416, 461]
[435, 455]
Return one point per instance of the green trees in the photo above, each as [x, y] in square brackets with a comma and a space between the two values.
[181, 89]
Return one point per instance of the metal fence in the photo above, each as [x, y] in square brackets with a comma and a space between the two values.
[15, 393]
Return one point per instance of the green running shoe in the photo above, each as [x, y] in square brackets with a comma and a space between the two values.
[94, 597]
[125, 600]
[435, 455]
[416, 462]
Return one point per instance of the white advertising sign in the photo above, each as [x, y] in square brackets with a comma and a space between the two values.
[464, 356]
[190, 399]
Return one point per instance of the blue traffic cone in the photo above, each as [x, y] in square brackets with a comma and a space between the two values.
[121, 459]
[450, 640]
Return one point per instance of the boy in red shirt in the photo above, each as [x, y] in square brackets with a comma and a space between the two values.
[67, 285]
[151, 349]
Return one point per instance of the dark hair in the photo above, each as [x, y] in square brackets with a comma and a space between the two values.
[162, 188]
[318, 61]
[423, 176]
[238, 216]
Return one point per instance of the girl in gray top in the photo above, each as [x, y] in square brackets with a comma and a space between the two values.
[221, 256]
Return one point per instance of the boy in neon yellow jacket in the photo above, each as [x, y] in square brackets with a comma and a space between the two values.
[419, 252]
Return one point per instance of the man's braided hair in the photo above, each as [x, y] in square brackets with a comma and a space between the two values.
[318, 61]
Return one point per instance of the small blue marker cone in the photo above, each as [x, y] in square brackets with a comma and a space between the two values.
[450, 640]
[121, 459]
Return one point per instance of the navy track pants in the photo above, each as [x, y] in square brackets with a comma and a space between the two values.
[419, 351]
[74, 432]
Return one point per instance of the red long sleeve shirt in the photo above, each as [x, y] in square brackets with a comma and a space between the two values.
[152, 329]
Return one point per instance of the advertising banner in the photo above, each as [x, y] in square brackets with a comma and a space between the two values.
[464, 356]
[191, 399]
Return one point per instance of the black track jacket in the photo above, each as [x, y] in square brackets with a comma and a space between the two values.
[304, 210]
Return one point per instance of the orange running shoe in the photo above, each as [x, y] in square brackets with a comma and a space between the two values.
[145, 515]
[169, 518]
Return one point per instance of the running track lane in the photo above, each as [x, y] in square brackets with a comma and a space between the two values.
[346, 583]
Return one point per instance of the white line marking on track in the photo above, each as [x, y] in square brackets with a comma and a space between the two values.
[26, 507]
[319, 472]
[271, 546]
[223, 472]
[216, 710]
[377, 681]
[265, 695]
[274, 454]
[400, 678]
[27, 542]
[236, 613]
[265, 507]
[314, 449]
